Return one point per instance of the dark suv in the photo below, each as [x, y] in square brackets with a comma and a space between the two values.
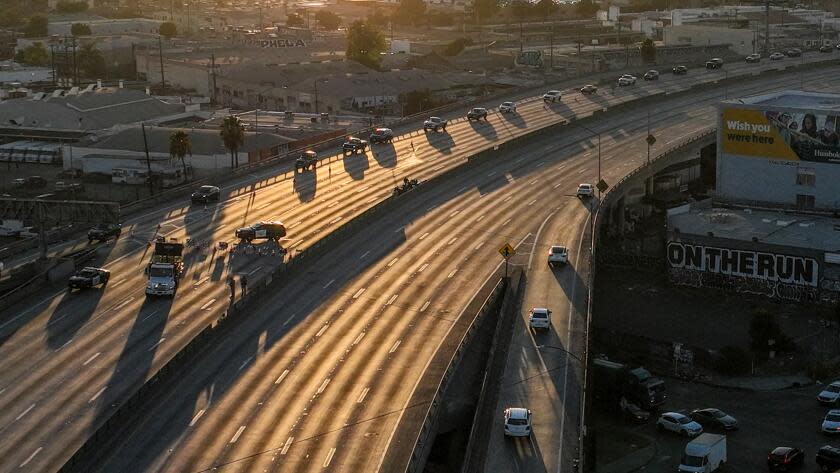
[382, 135]
[262, 231]
[785, 459]
[828, 458]
[104, 231]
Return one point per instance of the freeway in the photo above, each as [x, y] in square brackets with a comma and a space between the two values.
[71, 359]
[326, 376]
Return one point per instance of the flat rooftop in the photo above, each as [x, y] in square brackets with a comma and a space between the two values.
[792, 99]
[774, 228]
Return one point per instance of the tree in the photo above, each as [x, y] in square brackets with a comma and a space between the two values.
[410, 12]
[91, 62]
[546, 8]
[587, 7]
[180, 145]
[364, 43]
[233, 136]
[34, 55]
[648, 51]
[37, 27]
[293, 19]
[80, 29]
[168, 29]
[71, 7]
[485, 9]
[328, 20]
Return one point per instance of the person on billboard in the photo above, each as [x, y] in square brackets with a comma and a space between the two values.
[827, 135]
[809, 125]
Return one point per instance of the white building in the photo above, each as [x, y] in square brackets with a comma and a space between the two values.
[741, 41]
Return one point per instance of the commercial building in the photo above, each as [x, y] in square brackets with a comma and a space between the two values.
[741, 41]
[780, 150]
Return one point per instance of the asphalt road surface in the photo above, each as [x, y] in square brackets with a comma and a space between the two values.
[319, 378]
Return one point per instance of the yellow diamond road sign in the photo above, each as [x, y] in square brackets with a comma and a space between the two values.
[507, 251]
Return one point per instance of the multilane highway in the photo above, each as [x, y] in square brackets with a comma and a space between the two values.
[326, 377]
[70, 359]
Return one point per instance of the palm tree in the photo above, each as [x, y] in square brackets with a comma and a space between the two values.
[233, 135]
[180, 145]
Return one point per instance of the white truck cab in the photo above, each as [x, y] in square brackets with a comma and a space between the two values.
[705, 454]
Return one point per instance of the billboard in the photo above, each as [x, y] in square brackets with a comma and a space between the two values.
[770, 134]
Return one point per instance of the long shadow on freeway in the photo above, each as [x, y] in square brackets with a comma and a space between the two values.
[385, 154]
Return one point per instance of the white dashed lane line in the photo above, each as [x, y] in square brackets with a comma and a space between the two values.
[237, 434]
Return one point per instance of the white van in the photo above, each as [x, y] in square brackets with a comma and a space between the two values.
[129, 176]
[705, 454]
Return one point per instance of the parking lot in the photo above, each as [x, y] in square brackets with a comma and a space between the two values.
[789, 417]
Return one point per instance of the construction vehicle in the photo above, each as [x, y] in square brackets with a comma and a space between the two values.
[165, 268]
[615, 380]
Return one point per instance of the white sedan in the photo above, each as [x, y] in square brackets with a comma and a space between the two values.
[585, 190]
[539, 318]
[831, 423]
[679, 423]
[517, 422]
[626, 79]
[831, 394]
[507, 107]
[558, 254]
[551, 96]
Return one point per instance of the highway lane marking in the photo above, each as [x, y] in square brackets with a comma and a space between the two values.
[291, 317]
[438, 168]
[461, 190]
[329, 457]
[362, 395]
[335, 220]
[453, 240]
[392, 299]
[98, 393]
[323, 329]
[454, 213]
[124, 303]
[196, 417]
[532, 202]
[507, 198]
[533, 182]
[392, 262]
[452, 274]
[478, 246]
[395, 346]
[372, 200]
[329, 283]
[541, 162]
[156, 344]
[118, 282]
[221, 226]
[362, 189]
[91, 358]
[281, 377]
[20, 416]
[518, 161]
[398, 230]
[296, 224]
[359, 338]
[323, 386]
[364, 254]
[431, 208]
[491, 174]
[297, 243]
[59, 348]
[264, 205]
[425, 305]
[333, 204]
[287, 445]
[422, 268]
[201, 281]
[245, 363]
[237, 434]
[480, 218]
[251, 272]
[146, 317]
[504, 224]
[558, 185]
[581, 171]
[29, 459]
[424, 236]
[358, 293]
[207, 304]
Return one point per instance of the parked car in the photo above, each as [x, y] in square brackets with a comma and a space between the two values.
[71, 173]
[626, 79]
[753, 58]
[558, 254]
[785, 459]
[828, 458]
[381, 135]
[517, 422]
[831, 422]
[477, 114]
[678, 423]
[826, 49]
[651, 75]
[104, 231]
[714, 63]
[19, 183]
[205, 194]
[585, 190]
[710, 417]
[777, 56]
[36, 182]
[507, 107]
[539, 318]
[830, 395]
[794, 52]
[679, 70]
[434, 124]
[633, 411]
[552, 96]
[29, 232]
[589, 89]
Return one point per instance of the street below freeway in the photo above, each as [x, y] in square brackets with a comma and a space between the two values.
[326, 376]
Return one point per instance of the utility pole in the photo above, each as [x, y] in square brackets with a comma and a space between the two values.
[766, 27]
[648, 134]
[160, 56]
[578, 56]
[316, 94]
[75, 64]
[52, 63]
[148, 161]
[213, 75]
[551, 48]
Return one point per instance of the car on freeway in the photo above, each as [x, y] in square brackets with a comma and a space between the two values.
[205, 194]
[306, 161]
[104, 231]
[88, 277]
[539, 318]
[517, 422]
[777, 56]
[477, 114]
[679, 70]
[627, 79]
[826, 48]
[830, 395]
[558, 254]
[268, 230]
[714, 63]
[552, 96]
[711, 417]
[753, 58]
[19, 183]
[381, 135]
[354, 145]
[785, 459]
[651, 75]
[828, 458]
[831, 422]
[36, 182]
[507, 107]
[838, 46]
[434, 124]
[589, 89]
[678, 423]
[793, 52]
[585, 190]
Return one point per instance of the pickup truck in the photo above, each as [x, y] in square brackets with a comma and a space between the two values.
[435, 124]
[354, 145]
[165, 268]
